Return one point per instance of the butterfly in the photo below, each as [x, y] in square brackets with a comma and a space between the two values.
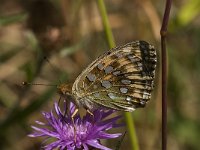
[121, 79]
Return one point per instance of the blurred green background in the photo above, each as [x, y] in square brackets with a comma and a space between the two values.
[70, 33]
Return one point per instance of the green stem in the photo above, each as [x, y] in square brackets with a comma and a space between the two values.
[111, 43]
[131, 131]
[109, 35]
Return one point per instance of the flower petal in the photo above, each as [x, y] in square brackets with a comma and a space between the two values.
[53, 145]
[72, 108]
[89, 129]
[95, 143]
[40, 123]
[104, 135]
[85, 147]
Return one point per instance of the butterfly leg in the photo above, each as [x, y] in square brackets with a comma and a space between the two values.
[59, 105]
[120, 142]
[88, 111]
[59, 100]
[73, 115]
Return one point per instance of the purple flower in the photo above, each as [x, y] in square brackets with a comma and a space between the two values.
[87, 132]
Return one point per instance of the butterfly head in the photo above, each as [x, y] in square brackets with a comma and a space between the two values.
[65, 90]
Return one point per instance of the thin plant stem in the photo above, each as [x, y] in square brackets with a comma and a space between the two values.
[108, 31]
[163, 33]
[111, 43]
[131, 131]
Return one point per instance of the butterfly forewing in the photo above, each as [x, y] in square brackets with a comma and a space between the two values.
[120, 79]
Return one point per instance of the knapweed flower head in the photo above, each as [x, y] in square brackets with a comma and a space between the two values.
[85, 133]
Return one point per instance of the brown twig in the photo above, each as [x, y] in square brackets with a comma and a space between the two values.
[163, 33]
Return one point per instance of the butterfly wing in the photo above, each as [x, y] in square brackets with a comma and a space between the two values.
[120, 79]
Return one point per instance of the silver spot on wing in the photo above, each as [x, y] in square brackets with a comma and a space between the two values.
[124, 90]
[142, 102]
[116, 73]
[124, 81]
[100, 66]
[106, 84]
[96, 95]
[108, 69]
[91, 77]
[119, 55]
[128, 98]
[111, 95]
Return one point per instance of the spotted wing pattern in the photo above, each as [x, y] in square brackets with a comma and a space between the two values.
[120, 79]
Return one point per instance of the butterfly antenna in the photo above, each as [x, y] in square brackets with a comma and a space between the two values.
[119, 143]
[52, 66]
[28, 83]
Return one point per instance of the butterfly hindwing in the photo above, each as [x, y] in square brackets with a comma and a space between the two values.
[121, 79]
